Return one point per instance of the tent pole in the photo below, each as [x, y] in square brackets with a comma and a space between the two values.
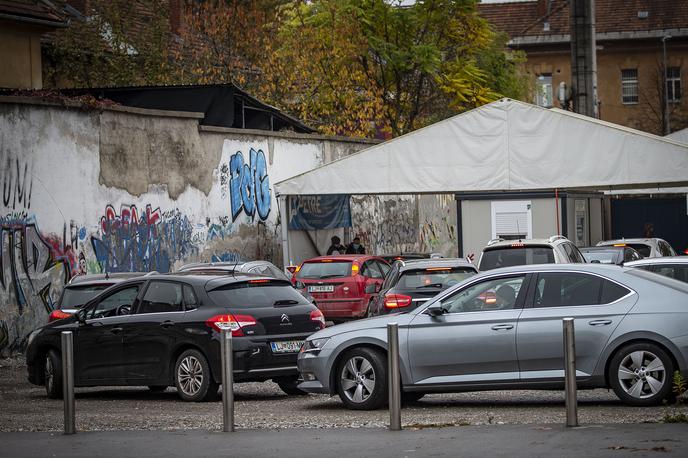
[284, 222]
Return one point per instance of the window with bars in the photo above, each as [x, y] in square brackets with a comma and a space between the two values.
[629, 85]
[673, 81]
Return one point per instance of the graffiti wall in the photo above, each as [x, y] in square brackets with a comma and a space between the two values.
[115, 191]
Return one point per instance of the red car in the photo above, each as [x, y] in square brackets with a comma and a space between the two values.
[343, 286]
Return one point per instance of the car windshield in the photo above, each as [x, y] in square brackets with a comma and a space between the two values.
[434, 277]
[250, 295]
[508, 256]
[332, 269]
[601, 256]
[641, 248]
[76, 296]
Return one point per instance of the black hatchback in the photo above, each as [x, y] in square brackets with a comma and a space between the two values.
[164, 330]
[411, 283]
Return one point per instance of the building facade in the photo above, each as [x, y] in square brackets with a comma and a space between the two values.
[631, 39]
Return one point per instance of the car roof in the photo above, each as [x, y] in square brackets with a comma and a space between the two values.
[412, 264]
[208, 279]
[344, 257]
[662, 260]
[587, 249]
[105, 278]
[218, 265]
[646, 241]
[573, 267]
[499, 243]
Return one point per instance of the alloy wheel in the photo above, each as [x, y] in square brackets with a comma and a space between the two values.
[642, 374]
[190, 375]
[358, 379]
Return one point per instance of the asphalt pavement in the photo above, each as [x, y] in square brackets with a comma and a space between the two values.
[507, 440]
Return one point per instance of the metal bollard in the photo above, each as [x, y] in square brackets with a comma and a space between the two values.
[68, 382]
[570, 373]
[227, 381]
[394, 377]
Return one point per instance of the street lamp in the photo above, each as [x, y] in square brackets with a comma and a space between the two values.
[667, 124]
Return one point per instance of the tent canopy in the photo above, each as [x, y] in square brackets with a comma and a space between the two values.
[503, 146]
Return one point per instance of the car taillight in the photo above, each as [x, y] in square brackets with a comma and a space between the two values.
[394, 301]
[317, 315]
[232, 322]
[58, 315]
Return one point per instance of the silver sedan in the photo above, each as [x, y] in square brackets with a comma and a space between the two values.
[502, 329]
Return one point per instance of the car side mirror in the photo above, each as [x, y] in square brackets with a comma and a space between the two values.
[81, 316]
[434, 310]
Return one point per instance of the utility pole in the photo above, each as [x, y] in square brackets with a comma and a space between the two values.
[667, 122]
[583, 57]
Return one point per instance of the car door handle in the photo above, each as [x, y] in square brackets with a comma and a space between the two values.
[167, 324]
[116, 330]
[502, 327]
[600, 322]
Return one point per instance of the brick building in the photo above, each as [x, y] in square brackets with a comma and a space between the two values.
[629, 37]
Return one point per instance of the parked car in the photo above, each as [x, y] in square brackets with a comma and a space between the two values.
[673, 266]
[610, 254]
[164, 330]
[630, 328]
[410, 284]
[82, 289]
[344, 286]
[505, 253]
[648, 248]
[390, 258]
[251, 267]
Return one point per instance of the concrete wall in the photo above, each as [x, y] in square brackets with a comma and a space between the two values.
[20, 54]
[132, 190]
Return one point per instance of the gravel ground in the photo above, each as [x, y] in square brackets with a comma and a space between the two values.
[262, 405]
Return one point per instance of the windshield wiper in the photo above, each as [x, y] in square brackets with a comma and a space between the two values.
[431, 285]
[286, 302]
[329, 276]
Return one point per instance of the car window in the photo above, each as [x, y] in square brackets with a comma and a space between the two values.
[509, 256]
[665, 249]
[577, 254]
[76, 296]
[566, 289]
[676, 271]
[384, 268]
[601, 256]
[370, 269]
[190, 300]
[391, 277]
[327, 269]
[434, 277]
[276, 273]
[641, 248]
[161, 297]
[250, 295]
[493, 294]
[109, 305]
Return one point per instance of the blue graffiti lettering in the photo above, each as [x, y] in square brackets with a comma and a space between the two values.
[249, 185]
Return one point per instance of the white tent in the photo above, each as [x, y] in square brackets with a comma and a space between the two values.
[503, 146]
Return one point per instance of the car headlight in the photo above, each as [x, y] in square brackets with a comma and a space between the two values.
[32, 336]
[315, 345]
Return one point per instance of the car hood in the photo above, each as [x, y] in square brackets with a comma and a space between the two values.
[358, 325]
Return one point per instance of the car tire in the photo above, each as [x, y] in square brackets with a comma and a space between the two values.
[157, 388]
[52, 375]
[362, 379]
[409, 397]
[641, 374]
[193, 379]
[289, 385]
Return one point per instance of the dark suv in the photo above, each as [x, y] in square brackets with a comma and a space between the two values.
[412, 283]
[163, 330]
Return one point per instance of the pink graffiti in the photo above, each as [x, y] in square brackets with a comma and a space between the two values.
[128, 214]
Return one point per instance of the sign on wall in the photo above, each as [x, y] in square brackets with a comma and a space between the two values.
[307, 213]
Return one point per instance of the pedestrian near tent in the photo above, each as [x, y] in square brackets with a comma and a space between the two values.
[336, 247]
[355, 247]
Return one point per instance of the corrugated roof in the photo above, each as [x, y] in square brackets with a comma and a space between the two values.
[32, 11]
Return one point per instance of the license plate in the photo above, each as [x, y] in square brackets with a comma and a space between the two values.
[321, 289]
[289, 346]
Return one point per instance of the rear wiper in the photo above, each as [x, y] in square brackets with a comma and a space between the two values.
[286, 302]
[431, 285]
